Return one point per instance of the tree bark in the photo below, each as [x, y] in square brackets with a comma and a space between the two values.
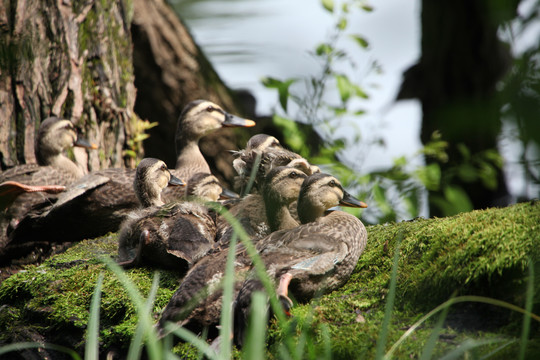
[71, 60]
[88, 61]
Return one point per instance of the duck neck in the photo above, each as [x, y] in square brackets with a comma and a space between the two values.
[62, 162]
[189, 155]
[309, 212]
[149, 197]
[278, 215]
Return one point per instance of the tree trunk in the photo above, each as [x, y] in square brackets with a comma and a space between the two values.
[171, 70]
[87, 61]
[455, 79]
[71, 60]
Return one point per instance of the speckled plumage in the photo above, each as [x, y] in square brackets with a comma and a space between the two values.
[176, 235]
[317, 256]
[282, 186]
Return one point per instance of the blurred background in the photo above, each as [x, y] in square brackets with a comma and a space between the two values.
[464, 132]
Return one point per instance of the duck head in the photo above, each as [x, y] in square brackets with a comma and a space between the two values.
[207, 187]
[200, 117]
[151, 177]
[54, 136]
[321, 192]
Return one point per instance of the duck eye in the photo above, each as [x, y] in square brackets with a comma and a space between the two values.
[332, 183]
[210, 108]
[164, 167]
[293, 175]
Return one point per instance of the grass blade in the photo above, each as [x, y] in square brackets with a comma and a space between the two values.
[468, 345]
[434, 336]
[225, 332]
[256, 336]
[381, 342]
[91, 351]
[459, 299]
[526, 317]
[193, 339]
[260, 271]
[135, 346]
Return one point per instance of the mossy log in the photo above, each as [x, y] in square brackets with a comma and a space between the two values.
[483, 253]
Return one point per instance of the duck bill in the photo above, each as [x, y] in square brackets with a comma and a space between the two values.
[228, 194]
[85, 144]
[236, 121]
[174, 181]
[351, 201]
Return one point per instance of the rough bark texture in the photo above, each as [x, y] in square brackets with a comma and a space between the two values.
[171, 70]
[455, 79]
[72, 60]
[87, 61]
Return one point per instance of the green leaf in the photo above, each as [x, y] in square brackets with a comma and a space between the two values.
[467, 172]
[488, 175]
[345, 87]
[282, 88]
[323, 49]
[360, 40]
[328, 5]
[430, 176]
[380, 198]
[458, 198]
[464, 150]
[342, 24]
[366, 7]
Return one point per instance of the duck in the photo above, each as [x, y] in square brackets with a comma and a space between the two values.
[99, 202]
[199, 118]
[314, 258]
[53, 167]
[262, 213]
[282, 186]
[176, 235]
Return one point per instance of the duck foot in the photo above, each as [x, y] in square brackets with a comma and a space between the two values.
[282, 292]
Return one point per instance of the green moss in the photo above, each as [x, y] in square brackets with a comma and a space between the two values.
[477, 253]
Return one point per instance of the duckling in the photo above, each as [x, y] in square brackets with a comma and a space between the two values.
[261, 214]
[282, 186]
[54, 137]
[176, 235]
[314, 258]
[98, 203]
[53, 168]
[266, 152]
